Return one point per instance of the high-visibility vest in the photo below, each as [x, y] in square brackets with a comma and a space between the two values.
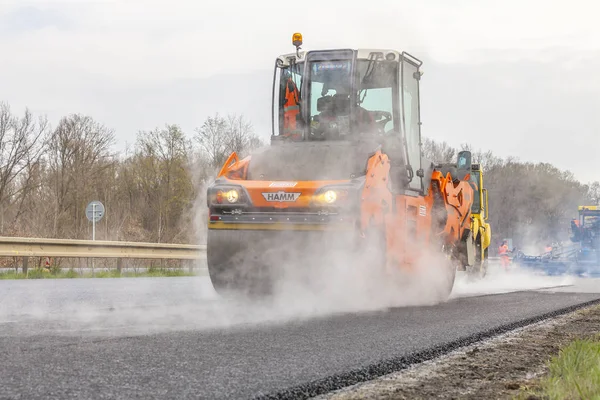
[291, 108]
[503, 250]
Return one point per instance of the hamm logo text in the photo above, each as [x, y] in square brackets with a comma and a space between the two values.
[281, 196]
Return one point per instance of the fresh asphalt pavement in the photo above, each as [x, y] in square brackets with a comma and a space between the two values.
[175, 338]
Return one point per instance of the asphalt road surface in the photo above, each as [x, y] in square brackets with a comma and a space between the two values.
[174, 338]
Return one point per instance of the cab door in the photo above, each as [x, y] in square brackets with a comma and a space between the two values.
[411, 123]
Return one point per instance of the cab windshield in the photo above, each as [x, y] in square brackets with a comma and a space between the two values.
[378, 92]
[343, 103]
[337, 99]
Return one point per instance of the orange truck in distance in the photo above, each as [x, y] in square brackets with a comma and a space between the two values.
[344, 174]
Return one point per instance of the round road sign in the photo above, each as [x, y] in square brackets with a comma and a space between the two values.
[94, 211]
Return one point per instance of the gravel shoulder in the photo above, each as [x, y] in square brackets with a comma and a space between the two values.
[505, 367]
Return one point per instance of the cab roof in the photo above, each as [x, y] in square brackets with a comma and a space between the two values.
[361, 54]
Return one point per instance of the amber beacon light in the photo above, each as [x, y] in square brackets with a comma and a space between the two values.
[297, 39]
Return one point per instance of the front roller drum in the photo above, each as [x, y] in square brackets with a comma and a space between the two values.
[236, 262]
[255, 261]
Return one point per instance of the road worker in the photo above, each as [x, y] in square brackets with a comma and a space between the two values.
[503, 253]
[575, 228]
[291, 110]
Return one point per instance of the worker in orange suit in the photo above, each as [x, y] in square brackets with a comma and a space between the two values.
[291, 109]
[575, 228]
[503, 253]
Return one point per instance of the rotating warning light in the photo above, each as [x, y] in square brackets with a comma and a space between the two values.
[297, 39]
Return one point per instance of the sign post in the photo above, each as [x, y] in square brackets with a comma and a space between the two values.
[94, 212]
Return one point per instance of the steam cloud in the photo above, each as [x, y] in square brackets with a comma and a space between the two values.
[308, 285]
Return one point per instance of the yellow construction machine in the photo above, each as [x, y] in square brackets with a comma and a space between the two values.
[476, 240]
[482, 231]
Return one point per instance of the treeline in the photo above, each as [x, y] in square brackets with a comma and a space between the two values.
[532, 203]
[150, 191]
[154, 190]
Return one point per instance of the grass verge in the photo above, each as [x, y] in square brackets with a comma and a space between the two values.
[572, 374]
[71, 274]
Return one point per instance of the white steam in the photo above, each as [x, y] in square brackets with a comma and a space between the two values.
[345, 278]
[129, 306]
[499, 280]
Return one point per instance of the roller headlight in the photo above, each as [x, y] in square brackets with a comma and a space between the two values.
[330, 196]
[227, 195]
[338, 196]
[232, 196]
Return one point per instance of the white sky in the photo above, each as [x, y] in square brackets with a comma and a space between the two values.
[101, 57]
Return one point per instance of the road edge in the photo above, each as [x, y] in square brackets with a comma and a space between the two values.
[396, 364]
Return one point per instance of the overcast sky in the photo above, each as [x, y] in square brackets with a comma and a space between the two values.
[516, 77]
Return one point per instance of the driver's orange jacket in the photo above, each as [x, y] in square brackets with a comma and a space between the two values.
[291, 109]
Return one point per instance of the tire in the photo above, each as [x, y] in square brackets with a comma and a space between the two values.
[449, 270]
[486, 262]
[479, 270]
[439, 217]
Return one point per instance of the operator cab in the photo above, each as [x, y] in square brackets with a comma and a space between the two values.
[589, 223]
[349, 95]
[345, 94]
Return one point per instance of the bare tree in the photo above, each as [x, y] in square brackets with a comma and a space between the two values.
[21, 146]
[594, 193]
[438, 152]
[218, 137]
[212, 138]
[161, 165]
[79, 155]
[240, 135]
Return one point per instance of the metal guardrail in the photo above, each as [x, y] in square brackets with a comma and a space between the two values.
[36, 247]
[68, 248]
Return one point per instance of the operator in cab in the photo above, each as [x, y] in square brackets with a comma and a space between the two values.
[334, 117]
